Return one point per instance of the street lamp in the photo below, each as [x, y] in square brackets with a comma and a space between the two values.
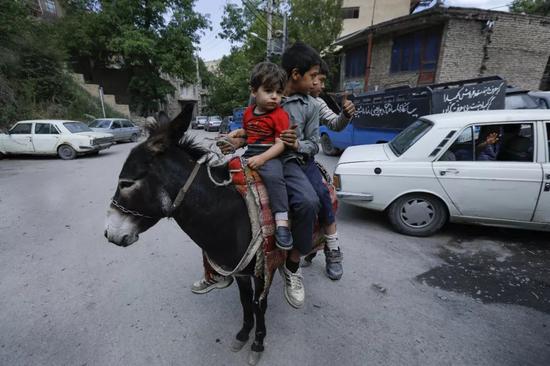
[257, 36]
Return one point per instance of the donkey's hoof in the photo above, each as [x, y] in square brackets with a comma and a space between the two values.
[254, 357]
[237, 345]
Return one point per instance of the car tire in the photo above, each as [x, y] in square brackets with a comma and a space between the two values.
[66, 152]
[418, 214]
[328, 147]
[134, 137]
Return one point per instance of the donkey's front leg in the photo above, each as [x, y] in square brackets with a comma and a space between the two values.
[246, 295]
[260, 306]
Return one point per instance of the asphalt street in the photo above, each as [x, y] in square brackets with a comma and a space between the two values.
[467, 296]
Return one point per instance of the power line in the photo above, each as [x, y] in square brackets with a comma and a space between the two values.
[254, 12]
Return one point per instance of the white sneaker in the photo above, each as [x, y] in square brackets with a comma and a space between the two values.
[294, 287]
[203, 285]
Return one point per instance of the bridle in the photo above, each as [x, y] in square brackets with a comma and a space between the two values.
[182, 191]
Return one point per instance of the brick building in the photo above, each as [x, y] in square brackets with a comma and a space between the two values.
[356, 14]
[447, 44]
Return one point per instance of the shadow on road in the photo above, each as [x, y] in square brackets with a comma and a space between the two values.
[495, 265]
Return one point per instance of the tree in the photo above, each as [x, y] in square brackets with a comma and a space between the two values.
[537, 7]
[316, 22]
[146, 37]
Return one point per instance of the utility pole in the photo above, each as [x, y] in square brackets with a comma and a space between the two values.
[198, 87]
[101, 99]
[285, 35]
[269, 28]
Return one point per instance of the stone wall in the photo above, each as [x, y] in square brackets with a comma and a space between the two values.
[514, 46]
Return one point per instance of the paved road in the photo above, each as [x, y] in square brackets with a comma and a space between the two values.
[468, 296]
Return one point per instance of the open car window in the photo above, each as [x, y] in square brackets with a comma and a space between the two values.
[493, 142]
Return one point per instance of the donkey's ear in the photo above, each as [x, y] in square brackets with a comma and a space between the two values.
[180, 124]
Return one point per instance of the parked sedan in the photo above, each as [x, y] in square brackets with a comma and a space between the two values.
[213, 123]
[121, 129]
[488, 168]
[65, 138]
[199, 122]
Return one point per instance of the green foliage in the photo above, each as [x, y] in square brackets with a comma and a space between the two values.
[137, 35]
[230, 86]
[316, 22]
[33, 83]
[537, 7]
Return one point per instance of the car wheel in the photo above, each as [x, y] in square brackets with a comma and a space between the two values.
[134, 138]
[418, 214]
[66, 152]
[327, 146]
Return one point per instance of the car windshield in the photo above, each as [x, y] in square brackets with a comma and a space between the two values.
[215, 118]
[75, 127]
[409, 136]
[100, 123]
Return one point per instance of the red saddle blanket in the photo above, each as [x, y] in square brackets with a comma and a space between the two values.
[272, 257]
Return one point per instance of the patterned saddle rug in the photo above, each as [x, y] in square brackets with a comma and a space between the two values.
[268, 256]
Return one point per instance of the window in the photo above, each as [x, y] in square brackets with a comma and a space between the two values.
[416, 51]
[21, 129]
[116, 124]
[409, 136]
[75, 127]
[100, 123]
[548, 141]
[356, 62]
[350, 13]
[494, 142]
[50, 6]
[126, 123]
[45, 129]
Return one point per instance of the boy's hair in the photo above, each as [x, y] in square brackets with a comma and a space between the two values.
[300, 56]
[323, 68]
[268, 75]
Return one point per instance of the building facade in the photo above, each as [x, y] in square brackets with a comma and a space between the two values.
[447, 44]
[358, 14]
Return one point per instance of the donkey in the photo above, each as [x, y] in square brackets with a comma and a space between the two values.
[148, 185]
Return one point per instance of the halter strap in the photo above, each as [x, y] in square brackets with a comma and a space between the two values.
[185, 188]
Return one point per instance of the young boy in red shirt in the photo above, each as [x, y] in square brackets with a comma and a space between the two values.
[263, 123]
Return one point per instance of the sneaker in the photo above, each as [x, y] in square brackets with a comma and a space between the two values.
[334, 267]
[294, 288]
[203, 285]
[283, 238]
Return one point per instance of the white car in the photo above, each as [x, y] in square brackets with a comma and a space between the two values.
[488, 168]
[67, 139]
[121, 129]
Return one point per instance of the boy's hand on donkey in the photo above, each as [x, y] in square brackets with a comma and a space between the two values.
[290, 137]
[255, 162]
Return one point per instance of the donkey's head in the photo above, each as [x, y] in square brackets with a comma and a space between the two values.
[151, 176]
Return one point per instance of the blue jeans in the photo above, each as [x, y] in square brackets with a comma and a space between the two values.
[326, 213]
[304, 206]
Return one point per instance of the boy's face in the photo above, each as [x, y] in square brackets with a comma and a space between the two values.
[319, 87]
[267, 98]
[305, 83]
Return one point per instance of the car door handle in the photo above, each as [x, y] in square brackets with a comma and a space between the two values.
[448, 171]
[547, 187]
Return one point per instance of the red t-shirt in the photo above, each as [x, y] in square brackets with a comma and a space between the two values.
[264, 128]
